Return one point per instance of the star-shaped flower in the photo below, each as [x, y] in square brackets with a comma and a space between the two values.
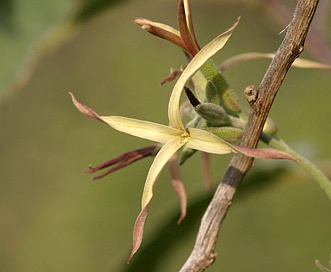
[175, 135]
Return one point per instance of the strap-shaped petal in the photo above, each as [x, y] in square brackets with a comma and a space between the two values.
[205, 141]
[194, 65]
[143, 129]
[162, 157]
[208, 142]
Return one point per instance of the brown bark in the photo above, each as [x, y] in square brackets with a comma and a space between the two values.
[203, 254]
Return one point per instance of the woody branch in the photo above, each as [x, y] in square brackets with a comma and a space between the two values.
[203, 254]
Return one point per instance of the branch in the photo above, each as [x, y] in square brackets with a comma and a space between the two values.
[203, 253]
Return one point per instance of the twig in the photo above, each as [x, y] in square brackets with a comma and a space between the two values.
[203, 254]
[315, 43]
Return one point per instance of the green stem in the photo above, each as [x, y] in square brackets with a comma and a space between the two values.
[317, 174]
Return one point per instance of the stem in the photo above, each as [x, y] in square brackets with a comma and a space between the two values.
[203, 254]
[317, 174]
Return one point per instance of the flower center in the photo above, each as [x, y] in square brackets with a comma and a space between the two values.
[185, 137]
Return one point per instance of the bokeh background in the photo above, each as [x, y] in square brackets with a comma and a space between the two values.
[53, 217]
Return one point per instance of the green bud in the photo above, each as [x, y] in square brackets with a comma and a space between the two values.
[211, 93]
[195, 122]
[229, 134]
[270, 127]
[185, 154]
[228, 98]
[213, 114]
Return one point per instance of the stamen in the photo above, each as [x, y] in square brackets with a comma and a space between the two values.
[185, 137]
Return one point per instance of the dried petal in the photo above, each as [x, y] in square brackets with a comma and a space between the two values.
[191, 48]
[85, 109]
[122, 161]
[173, 75]
[163, 31]
[189, 23]
[138, 232]
[178, 186]
[262, 153]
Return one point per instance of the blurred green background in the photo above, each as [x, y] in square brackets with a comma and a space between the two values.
[53, 217]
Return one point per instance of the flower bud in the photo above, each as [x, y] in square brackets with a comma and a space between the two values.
[213, 114]
[270, 127]
[229, 134]
[185, 154]
[211, 93]
[228, 98]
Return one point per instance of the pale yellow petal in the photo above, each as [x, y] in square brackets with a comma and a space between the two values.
[143, 129]
[159, 162]
[195, 64]
[205, 141]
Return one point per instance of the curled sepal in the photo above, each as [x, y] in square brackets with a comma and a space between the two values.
[174, 73]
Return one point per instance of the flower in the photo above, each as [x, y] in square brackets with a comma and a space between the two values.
[175, 135]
